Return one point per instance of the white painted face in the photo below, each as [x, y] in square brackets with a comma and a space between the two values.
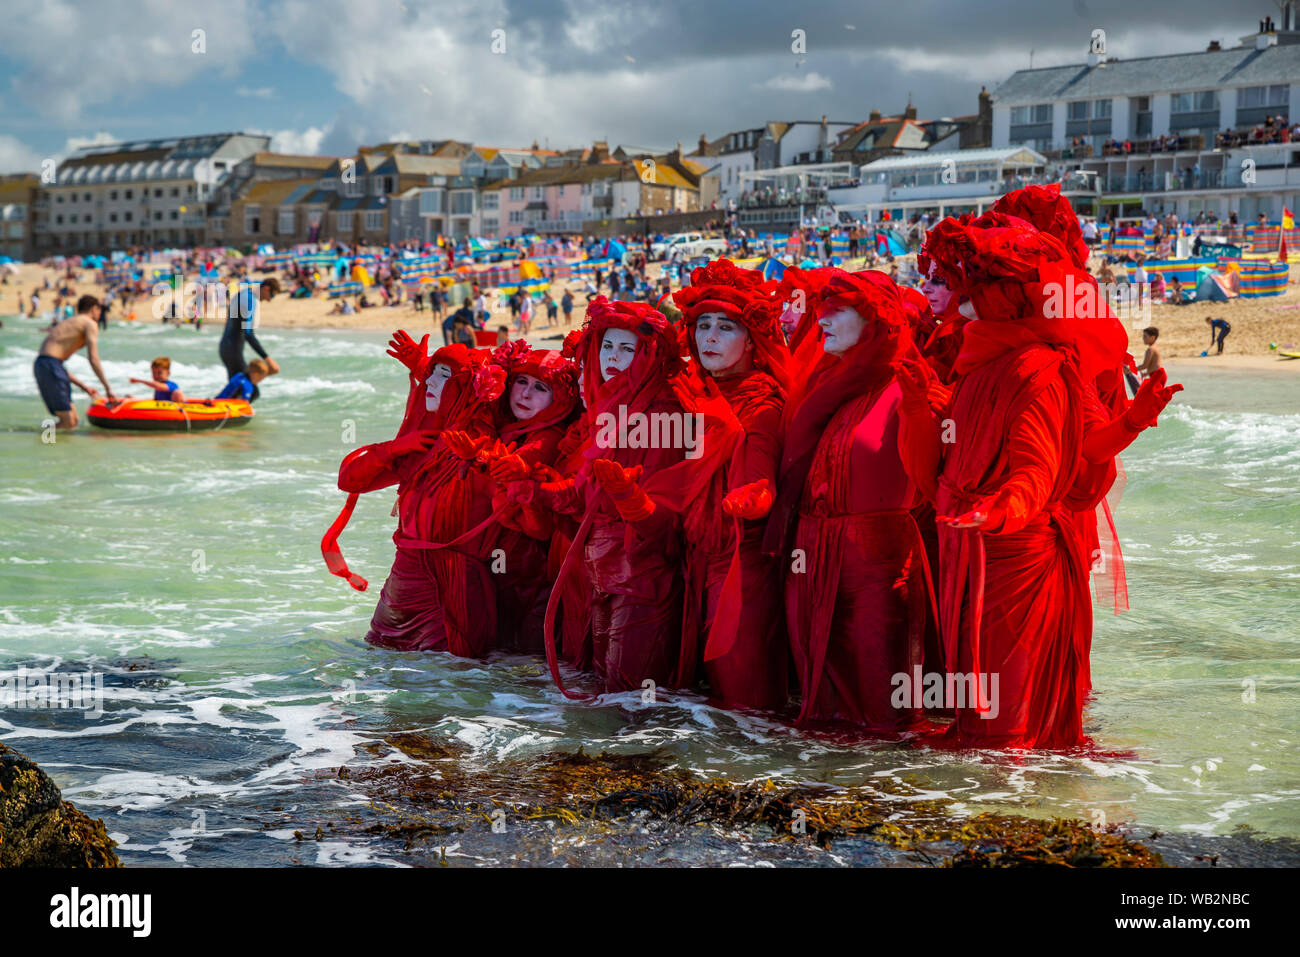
[529, 396]
[936, 290]
[967, 309]
[841, 330]
[617, 350]
[434, 384]
[722, 342]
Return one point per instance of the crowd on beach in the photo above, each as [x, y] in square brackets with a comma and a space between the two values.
[853, 502]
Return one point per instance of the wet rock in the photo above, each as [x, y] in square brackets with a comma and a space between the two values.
[40, 829]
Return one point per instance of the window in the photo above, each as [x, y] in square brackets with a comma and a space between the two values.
[374, 220]
[1078, 110]
[157, 216]
[112, 217]
[1025, 115]
[537, 192]
[1101, 109]
[112, 194]
[462, 203]
[129, 194]
[285, 222]
[1249, 97]
[175, 191]
[516, 192]
[59, 219]
[86, 197]
[345, 222]
[1194, 102]
[516, 215]
[431, 201]
[58, 198]
[491, 199]
[175, 214]
[252, 219]
[127, 215]
[157, 194]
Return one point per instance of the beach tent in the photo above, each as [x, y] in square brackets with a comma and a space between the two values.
[889, 243]
[773, 269]
[1211, 287]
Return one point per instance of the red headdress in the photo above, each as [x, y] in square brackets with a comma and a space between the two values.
[657, 358]
[1019, 280]
[746, 301]
[556, 371]
[719, 286]
[1047, 210]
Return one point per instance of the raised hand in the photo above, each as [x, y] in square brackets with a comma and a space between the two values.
[507, 467]
[989, 512]
[913, 379]
[749, 501]
[465, 446]
[1152, 397]
[407, 351]
[411, 442]
[615, 479]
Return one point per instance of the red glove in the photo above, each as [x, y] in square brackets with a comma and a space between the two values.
[508, 467]
[632, 503]
[914, 380]
[408, 443]
[461, 444]
[1152, 397]
[749, 501]
[407, 351]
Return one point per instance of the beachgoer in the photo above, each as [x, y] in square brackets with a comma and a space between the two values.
[52, 378]
[164, 390]
[1218, 328]
[241, 319]
[243, 385]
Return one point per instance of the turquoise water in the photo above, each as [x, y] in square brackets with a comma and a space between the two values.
[185, 570]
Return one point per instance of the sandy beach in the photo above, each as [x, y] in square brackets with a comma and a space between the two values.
[1257, 324]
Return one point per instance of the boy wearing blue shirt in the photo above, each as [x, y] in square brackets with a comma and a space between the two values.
[164, 389]
[243, 385]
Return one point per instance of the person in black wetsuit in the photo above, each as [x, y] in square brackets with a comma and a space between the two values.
[1219, 329]
[240, 316]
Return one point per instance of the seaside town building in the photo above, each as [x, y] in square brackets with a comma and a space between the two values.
[143, 192]
[17, 202]
[1189, 133]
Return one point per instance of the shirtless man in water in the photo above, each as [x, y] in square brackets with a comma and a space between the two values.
[65, 338]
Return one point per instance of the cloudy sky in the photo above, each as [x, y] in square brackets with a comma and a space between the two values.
[322, 76]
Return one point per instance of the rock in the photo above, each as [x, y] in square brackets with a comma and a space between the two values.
[40, 829]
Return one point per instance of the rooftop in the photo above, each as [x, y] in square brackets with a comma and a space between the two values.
[1237, 66]
[1021, 155]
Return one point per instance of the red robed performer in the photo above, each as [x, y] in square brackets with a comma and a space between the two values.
[540, 397]
[737, 632]
[431, 503]
[856, 589]
[629, 494]
[1013, 597]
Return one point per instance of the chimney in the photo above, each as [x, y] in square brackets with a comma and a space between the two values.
[986, 103]
[704, 144]
[1214, 45]
[874, 117]
[910, 112]
[535, 146]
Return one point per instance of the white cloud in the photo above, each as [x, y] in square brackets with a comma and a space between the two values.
[77, 142]
[17, 157]
[302, 142]
[261, 92]
[69, 58]
[804, 83]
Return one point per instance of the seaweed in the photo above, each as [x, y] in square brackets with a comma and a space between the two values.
[441, 791]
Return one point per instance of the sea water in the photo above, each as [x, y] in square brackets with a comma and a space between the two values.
[185, 572]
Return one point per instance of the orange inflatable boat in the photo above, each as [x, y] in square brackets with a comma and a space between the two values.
[152, 415]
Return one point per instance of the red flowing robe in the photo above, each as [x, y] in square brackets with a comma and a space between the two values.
[634, 607]
[1013, 597]
[856, 614]
[752, 673]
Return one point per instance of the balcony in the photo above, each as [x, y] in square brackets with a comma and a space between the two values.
[605, 202]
